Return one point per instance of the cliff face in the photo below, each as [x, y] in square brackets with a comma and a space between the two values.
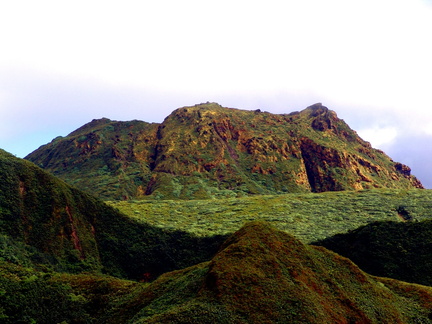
[207, 150]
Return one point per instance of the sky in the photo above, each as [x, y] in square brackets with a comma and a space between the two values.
[64, 63]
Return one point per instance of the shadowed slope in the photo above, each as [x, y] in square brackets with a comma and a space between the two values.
[45, 222]
[397, 250]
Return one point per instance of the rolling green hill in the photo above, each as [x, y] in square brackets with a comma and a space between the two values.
[259, 275]
[207, 151]
[46, 223]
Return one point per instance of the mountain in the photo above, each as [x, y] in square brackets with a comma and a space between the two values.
[48, 224]
[207, 151]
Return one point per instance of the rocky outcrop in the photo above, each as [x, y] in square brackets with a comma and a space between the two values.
[207, 150]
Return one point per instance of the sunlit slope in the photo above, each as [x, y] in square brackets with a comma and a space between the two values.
[309, 217]
[209, 151]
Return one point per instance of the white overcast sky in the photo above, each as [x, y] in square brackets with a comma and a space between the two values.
[64, 63]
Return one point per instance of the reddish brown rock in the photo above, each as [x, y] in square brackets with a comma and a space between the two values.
[213, 151]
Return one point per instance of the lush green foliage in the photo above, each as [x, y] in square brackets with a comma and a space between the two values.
[44, 218]
[29, 296]
[310, 217]
[265, 276]
[397, 250]
[46, 223]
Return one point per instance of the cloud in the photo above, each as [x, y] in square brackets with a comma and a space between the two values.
[379, 136]
[416, 152]
[339, 49]
[63, 64]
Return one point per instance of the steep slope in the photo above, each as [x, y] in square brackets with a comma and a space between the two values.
[45, 215]
[46, 223]
[30, 296]
[262, 275]
[396, 250]
[111, 159]
[208, 150]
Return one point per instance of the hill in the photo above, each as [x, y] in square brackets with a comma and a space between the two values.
[207, 151]
[259, 275]
[397, 250]
[48, 224]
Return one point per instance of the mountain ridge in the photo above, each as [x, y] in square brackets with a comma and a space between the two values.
[207, 150]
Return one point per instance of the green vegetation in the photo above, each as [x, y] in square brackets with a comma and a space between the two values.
[310, 217]
[262, 275]
[29, 296]
[47, 224]
[401, 251]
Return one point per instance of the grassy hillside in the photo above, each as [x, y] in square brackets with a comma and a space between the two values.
[46, 223]
[310, 217]
[260, 275]
[397, 250]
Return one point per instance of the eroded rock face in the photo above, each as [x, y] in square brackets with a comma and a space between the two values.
[207, 150]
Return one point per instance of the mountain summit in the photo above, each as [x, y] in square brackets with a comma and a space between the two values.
[207, 150]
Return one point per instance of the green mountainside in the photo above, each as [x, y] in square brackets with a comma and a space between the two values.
[208, 151]
[47, 224]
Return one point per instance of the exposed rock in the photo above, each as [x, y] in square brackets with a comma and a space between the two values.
[214, 151]
[403, 169]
